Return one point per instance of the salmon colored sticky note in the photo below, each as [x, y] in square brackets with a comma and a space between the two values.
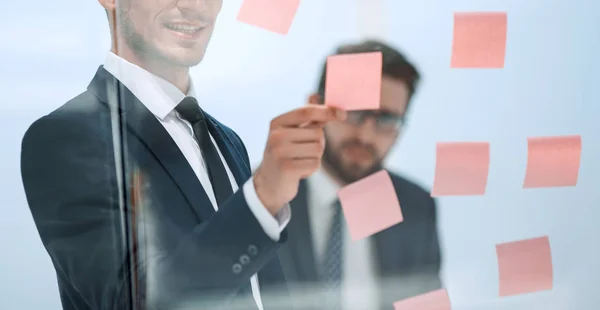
[370, 205]
[479, 40]
[552, 161]
[524, 266]
[353, 81]
[436, 300]
[461, 168]
[272, 15]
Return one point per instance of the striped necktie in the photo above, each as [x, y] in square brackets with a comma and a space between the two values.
[331, 271]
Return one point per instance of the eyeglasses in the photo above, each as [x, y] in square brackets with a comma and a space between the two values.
[385, 122]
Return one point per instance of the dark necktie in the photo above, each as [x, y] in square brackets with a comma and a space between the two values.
[333, 261]
[189, 110]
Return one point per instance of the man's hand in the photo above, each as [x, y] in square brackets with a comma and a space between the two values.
[293, 152]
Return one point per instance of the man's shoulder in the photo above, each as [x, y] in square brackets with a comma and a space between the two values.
[83, 107]
[405, 185]
[81, 111]
[415, 200]
[84, 104]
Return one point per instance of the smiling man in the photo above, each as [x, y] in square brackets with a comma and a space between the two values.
[164, 37]
[145, 201]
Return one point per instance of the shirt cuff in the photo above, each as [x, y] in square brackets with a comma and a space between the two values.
[273, 226]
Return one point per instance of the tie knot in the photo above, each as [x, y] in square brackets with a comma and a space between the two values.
[189, 110]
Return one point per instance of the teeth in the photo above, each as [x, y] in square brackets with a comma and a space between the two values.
[183, 28]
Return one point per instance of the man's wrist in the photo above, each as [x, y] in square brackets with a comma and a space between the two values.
[263, 195]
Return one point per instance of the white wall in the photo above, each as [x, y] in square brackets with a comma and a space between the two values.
[50, 51]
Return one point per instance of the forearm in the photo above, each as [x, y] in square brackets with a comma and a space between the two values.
[218, 257]
[201, 266]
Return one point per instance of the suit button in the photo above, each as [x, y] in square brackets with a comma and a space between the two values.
[244, 259]
[237, 268]
[252, 249]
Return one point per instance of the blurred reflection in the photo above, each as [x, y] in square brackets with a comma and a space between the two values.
[399, 262]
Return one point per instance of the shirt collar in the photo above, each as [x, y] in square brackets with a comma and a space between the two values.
[322, 188]
[156, 93]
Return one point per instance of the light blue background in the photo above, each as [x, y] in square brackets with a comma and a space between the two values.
[549, 86]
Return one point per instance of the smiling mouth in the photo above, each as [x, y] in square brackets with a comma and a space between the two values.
[184, 28]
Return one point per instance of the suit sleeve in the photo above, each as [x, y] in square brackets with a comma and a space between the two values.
[272, 225]
[70, 179]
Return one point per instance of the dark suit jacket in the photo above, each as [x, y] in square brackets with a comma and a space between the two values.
[78, 181]
[407, 255]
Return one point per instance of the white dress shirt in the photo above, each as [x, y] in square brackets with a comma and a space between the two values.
[359, 280]
[161, 97]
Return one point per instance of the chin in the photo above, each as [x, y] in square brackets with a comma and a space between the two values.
[180, 54]
[190, 61]
[353, 173]
[183, 59]
[359, 166]
[357, 172]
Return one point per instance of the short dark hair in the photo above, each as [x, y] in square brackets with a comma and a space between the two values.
[394, 64]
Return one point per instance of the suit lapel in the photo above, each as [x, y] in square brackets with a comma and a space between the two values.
[235, 161]
[144, 125]
[379, 254]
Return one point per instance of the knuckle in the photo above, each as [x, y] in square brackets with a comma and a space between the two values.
[274, 122]
[316, 167]
[311, 166]
[318, 134]
[276, 137]
[305, 113]
[320, 147]
[313, 148]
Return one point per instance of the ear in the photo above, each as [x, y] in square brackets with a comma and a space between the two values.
[315, 98]
[109, 5]
[110, 9]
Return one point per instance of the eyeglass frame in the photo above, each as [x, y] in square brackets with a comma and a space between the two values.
[395, 121]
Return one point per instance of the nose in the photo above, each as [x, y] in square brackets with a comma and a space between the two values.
[366, 130]
[194, 7]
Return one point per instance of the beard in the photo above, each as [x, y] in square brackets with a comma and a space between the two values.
[142, 48]
[352, 172]
[131, 38]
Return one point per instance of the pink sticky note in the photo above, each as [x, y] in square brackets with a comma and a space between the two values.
[275, 16]
[552, 161]
[370, 205]
[353, 81]
[436, 300]
[461, 168]
[479, 40]
[524, 266]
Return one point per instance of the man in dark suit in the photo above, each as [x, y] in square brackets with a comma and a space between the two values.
[396, 263]
[134, 188]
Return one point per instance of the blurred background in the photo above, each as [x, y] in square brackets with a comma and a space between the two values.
[549, 86]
